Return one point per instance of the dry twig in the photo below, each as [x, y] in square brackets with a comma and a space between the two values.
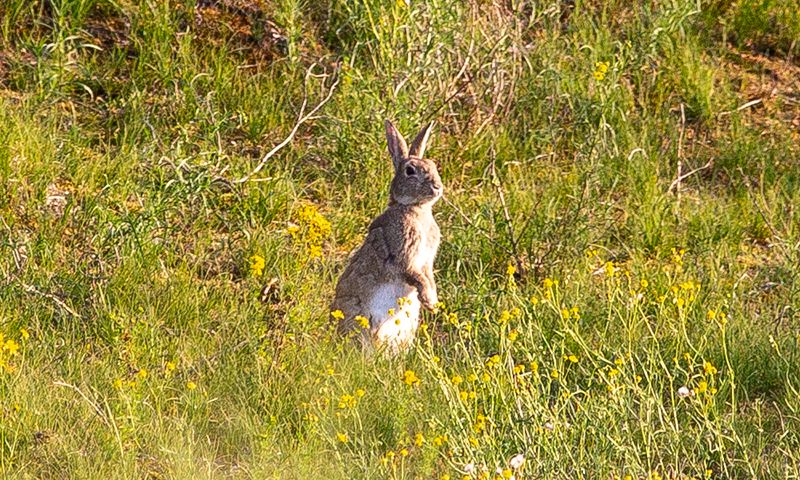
[302, 118]
[51, 297]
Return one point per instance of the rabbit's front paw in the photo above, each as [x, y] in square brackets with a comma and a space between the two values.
[429, 299]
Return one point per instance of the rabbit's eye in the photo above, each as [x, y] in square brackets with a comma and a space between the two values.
[410, 171]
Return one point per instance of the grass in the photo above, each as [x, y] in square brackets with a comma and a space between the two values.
[161, 320]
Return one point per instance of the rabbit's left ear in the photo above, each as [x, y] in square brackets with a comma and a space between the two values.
[420, 143]
[397, 144]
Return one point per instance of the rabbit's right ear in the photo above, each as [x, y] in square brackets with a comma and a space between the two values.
[398, 148]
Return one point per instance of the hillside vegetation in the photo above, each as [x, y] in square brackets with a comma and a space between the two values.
[618, 270]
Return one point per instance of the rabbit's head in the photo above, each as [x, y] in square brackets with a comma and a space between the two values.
[416, 180]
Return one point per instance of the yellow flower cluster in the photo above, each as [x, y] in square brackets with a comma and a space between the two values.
[410, 378]
[310, 230]
[8, 350]
[719, 316]
[257, 264]
[493, 361]
[684, 293]
[350, 401]
[480, 424]
[362, 321]
[600, 70]
[511, 270]
[573, 313]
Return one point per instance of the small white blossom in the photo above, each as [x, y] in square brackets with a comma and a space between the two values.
[684, 392]
[516, 461]
[469, 468]
[549, 426]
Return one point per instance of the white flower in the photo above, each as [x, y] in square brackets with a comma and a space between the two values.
[469, 468]
[516, 461]
[684, 392]
[549, 426]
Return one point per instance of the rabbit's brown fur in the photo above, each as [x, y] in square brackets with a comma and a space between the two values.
[390, 276]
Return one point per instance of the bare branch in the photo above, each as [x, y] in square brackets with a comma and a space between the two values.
[302, 118]
[675, 183]
[751, 103]
[51, 297]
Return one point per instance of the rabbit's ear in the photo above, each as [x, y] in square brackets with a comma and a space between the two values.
[421, 142]
[398, 148]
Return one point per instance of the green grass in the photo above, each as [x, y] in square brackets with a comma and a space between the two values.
[148, 346]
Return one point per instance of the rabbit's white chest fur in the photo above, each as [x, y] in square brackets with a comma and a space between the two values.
[424, 256]
[397, 330]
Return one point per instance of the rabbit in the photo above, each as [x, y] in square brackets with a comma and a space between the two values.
[389, 279]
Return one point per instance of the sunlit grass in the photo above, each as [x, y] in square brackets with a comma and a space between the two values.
[598, 319]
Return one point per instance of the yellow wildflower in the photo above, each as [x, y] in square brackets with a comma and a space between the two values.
[493, 361]
[11, 347]
[609, 266]
[410, 378]
[337, 314]
[480, 424]
[293, 230]
[505, 316]
[347, 401]
[190, 385]
[362, 322]
[314, 251]
[511, 269]
[257, 264]
[342, 437]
